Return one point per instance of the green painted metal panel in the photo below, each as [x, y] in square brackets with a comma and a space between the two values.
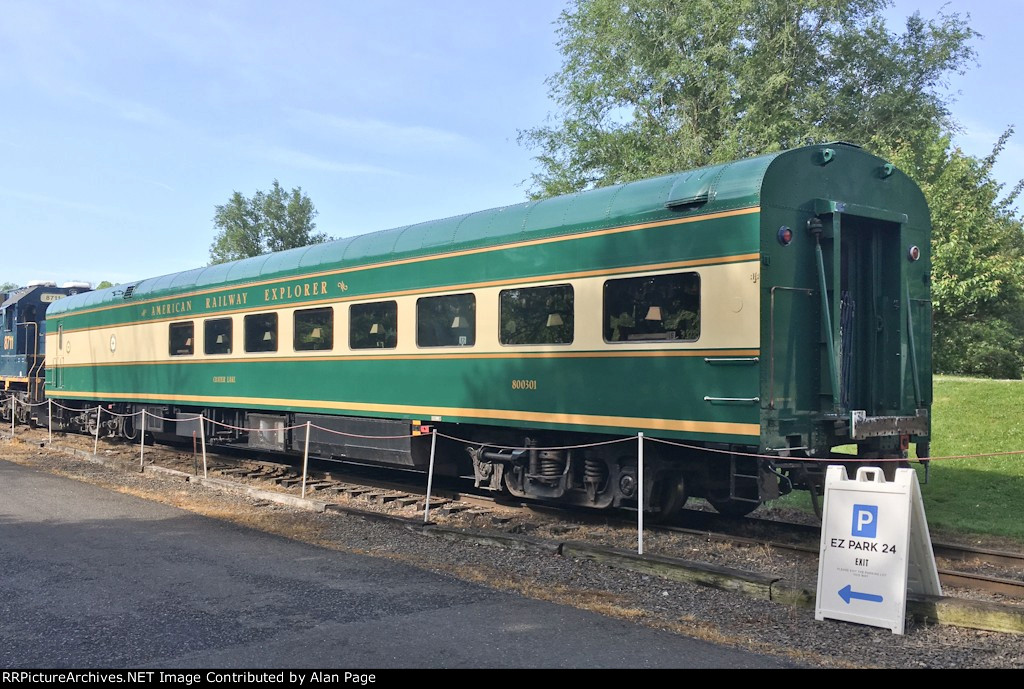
[670, 388]
[870, 219]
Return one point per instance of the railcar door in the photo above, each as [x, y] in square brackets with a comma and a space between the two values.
[870, 343]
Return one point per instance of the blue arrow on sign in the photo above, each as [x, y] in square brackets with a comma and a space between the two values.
[847, 594]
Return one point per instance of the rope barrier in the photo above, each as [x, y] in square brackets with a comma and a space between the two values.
[554, 447]
[253, 430]
[774, 457]
[833, 459]
[27, 404]
[72, 408]
[356, 435]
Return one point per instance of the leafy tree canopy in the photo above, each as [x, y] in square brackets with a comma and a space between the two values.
[269, 221]
[653, 86]
[977, 258]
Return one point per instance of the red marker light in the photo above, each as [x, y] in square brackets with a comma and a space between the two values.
[785, 235]
[914, 253]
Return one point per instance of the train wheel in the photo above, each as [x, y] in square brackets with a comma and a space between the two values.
[670, 499]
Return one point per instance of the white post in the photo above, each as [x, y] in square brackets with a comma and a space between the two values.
[202, 440]
[305, 459]
[142, 442]
[49, 419]
[430, 477]
[99, 418]
[13, 414]
[640, 493]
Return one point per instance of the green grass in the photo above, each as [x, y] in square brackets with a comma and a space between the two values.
[979, 496]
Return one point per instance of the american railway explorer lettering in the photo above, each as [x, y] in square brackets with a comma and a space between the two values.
[219, 301]
[295, 290]
[171, 309]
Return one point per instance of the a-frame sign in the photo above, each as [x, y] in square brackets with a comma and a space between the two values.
[875, 548]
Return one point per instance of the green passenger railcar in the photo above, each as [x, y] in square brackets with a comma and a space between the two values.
[776, 306]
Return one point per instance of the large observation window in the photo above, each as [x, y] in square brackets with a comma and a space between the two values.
[536, 315]
[182, 338]
[314, 329]
[261, 332]
[217, 336]
[373, 325]
[448, 321]
[654, 308]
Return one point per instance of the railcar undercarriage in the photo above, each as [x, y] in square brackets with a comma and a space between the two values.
[569, 468]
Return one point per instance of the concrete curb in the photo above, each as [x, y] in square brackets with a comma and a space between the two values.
[154, 469]
[90, 457]
[291, 500]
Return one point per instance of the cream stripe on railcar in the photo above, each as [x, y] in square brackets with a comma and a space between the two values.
[730, 307]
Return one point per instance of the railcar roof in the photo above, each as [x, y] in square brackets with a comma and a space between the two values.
[714, 188]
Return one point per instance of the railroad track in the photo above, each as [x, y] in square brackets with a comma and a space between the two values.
[1001, 585]
[364, 483]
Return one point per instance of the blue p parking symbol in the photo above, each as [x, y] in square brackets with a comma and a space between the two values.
[865, 521]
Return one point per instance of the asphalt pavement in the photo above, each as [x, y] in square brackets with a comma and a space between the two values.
[91, 578]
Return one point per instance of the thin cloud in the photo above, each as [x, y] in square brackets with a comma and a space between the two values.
[126, 109]
[299, 159]
[42, 199]
[379, 133]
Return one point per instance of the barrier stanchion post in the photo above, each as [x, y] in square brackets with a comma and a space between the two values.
[49, 421]
[14, 413]
[99, 418]
[640, 494]
[430, 476]
[142, 441]
[305, 459]
[202, 436]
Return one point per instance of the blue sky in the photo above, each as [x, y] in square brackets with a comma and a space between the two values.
[123, 123]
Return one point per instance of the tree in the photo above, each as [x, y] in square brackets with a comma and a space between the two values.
[105, 284]
[269, 221]
[653, 86]
[649, 87]
[977, 258]
[7, 286]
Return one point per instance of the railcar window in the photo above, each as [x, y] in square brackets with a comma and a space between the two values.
[314, 329]
[652, 308]
[536, 315]
[182, 337]
[261, 332]
[448, 321]
[373, 325]
[217, 336]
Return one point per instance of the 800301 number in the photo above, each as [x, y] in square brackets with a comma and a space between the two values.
[523, 384]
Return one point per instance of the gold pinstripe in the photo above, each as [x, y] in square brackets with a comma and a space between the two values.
[438, 355]
[683, 425]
